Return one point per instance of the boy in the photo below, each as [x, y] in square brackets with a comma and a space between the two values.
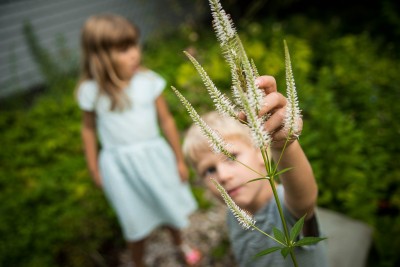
[298, 192]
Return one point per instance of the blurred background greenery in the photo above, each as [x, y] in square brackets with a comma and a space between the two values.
[345, 58]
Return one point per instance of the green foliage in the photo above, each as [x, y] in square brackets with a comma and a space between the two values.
[53, 66]
[52, 215]
[347, 88]
[293, 242]
[364, 82]
[41, 56]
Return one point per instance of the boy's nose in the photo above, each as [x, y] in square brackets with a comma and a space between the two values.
[225, 172]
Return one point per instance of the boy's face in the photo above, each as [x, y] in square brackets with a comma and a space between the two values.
[233, 175]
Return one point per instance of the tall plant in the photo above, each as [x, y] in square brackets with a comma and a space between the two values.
[247, 98]
[48, 67]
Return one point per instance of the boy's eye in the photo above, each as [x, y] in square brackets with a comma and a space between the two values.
[209, 171]
[234, 157]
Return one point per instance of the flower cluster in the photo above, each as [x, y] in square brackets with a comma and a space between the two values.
[246, 98]
[292, 110]
[244, 218]
[217, 144]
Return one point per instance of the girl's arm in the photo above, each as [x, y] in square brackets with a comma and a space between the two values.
[167, 125]
[89, 139]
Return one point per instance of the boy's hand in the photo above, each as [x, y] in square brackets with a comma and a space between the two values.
[275, 106]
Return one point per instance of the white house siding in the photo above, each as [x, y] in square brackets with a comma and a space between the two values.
[54, 18]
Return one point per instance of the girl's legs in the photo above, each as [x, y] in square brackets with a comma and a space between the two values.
[137, 252]
[176, 236]
[191, 256]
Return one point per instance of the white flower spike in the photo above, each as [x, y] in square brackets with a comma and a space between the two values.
[293, 113]
[244, 218]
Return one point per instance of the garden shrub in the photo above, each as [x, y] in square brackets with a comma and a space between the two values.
[52, 214]
[364, 82]
[347, 89]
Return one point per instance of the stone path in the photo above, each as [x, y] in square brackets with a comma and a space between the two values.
[207, 232]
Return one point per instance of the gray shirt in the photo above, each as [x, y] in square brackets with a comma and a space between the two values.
[247, 243]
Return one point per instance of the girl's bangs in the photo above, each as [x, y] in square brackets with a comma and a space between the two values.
[123, 37]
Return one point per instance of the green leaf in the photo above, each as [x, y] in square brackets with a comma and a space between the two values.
[294, 232]
[266, 251]
[257, 179]
[285, 251]
[308, 241]
[283, 171]
[278, 234]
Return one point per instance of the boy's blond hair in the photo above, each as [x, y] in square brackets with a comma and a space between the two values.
[195, 142]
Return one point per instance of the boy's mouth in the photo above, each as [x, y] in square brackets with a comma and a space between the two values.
[234, 191]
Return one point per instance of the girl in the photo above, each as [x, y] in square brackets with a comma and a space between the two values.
[143, 179]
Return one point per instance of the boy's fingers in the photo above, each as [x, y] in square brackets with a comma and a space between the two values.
[267, 83]
[275, 122]
[241, 116]
[272, 101]
[280, 137]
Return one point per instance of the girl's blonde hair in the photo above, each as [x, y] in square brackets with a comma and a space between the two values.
[195, 143]
[100, 34]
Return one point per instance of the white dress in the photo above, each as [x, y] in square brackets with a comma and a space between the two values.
[138, 167]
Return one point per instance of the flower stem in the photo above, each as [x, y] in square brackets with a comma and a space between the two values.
[264, 233]
[279, 206]
[293, 256]
[280, 156]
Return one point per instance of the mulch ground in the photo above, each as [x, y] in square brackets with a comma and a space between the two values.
[207, 232]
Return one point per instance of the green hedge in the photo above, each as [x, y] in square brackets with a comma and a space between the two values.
[52, 215]
[348, 89]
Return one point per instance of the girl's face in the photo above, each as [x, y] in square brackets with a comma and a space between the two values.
[126, 61]
[233, 175]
